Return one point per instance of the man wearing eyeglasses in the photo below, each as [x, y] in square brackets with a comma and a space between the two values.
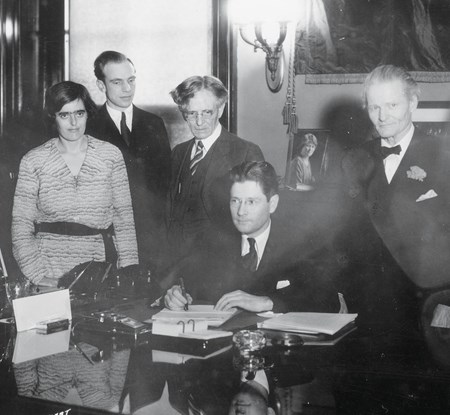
[198, 200]
[261, 265]
[142, 138]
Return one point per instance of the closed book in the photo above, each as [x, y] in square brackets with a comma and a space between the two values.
[291, 339]
[312, 323]
[52, 326]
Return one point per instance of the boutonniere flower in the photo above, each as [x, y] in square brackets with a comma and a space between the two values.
[416, 173]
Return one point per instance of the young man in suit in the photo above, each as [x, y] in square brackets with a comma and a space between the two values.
[402, 177]
[142, 138]
[261, 267]
[198, 199]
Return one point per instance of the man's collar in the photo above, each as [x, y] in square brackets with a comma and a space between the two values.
[261, 240]
[404, 142]
[208, 142]
[118, 113]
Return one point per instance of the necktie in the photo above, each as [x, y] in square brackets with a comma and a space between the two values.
[124, 130]
[250, 260]
[197, 157]
[386, 151]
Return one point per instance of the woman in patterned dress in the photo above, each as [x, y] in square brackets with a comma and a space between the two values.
[72, 194]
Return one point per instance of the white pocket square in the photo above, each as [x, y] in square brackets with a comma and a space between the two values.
[283, 284]
[428, 195]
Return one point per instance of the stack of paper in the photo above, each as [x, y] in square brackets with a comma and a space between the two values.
[175, 328]
[309, 323]
[187, 332]
[196, 312]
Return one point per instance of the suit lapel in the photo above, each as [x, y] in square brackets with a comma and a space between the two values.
[405, 164]
[219, 155]
[184, 156]
[137, 132]
[110, 128]
[379, 188]
[267, 255]
[270, 255]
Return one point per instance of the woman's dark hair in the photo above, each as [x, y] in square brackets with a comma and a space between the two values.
[308, 138]
[64, 92]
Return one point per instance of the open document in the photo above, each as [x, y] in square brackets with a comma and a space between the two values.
[310, 323]
[196, 312]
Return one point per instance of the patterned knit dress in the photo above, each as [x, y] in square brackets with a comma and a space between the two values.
[48, 192]
[69, 377]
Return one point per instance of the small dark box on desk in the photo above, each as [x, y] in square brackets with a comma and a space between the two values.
[196, 346]
[114, 324]
[52, 326]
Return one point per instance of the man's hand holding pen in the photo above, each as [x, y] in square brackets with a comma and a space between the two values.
[183, 292]
[175, 300]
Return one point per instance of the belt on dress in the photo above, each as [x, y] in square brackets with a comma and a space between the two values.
[77, 229]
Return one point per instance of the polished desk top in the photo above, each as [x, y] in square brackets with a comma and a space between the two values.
[397, 373]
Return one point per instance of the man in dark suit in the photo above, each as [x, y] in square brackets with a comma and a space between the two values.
[402, 177]
[198, 198]
[261, 267]
[142, 138]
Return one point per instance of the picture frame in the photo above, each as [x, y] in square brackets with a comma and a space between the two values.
[319, 160]
[341, 41]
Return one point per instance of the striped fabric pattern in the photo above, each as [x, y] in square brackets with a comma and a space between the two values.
[197, 157]
[47, 192]
[68, 377]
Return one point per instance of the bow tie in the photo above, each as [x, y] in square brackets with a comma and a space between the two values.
[387, 151]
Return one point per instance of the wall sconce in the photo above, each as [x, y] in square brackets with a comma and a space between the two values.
[264, 25]
[273, 49]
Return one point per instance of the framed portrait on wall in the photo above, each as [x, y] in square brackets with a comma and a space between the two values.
[340, 41]
[308, 159]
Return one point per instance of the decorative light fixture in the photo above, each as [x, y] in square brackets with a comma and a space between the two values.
[273, 50]
[264, 25]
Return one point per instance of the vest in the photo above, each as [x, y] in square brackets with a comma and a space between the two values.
[188, 210]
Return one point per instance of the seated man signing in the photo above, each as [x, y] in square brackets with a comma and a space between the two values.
[261, 267]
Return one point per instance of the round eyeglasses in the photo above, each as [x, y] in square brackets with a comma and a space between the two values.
[78, 114]
[193, 115]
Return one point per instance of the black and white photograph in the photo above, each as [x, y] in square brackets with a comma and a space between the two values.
[309, 159]
[224, 207]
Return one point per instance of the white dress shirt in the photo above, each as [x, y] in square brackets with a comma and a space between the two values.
[207, 142]
[260, 243]
[392, 161]
[116, 116]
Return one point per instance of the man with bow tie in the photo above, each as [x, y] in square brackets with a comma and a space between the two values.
[261, 267]
[402, 177]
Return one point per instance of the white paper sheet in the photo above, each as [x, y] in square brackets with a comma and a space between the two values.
[28, 311]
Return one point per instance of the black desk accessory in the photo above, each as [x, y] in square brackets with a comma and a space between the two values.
[113, 324]
[86, 278]
[191, 346]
